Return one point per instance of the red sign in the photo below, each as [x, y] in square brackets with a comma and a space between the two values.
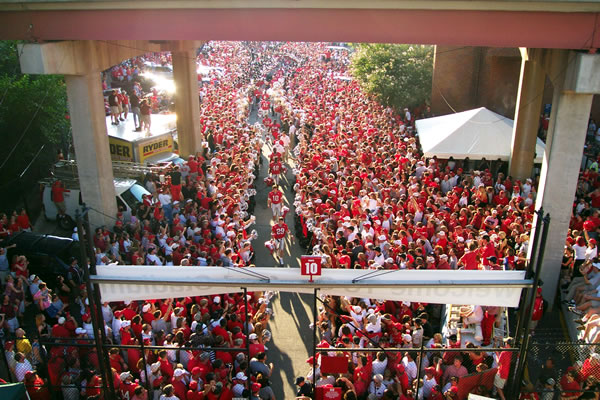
[310, 265]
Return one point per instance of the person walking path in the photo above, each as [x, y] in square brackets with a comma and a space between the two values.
[292, 312]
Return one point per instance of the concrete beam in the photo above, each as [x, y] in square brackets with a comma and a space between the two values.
[583, 77]
[566, 6]
[527, 115]
[535, 29]
[79, 57]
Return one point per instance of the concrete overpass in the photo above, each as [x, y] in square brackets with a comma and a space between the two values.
[548, 32]
[567, 24]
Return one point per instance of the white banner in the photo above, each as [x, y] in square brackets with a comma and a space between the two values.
[491, 288]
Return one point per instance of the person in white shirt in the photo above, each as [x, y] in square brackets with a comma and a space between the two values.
[374, 324]
[429, 381]
[152, 258]
[380, 364]
[410, 367]
[22, 367]
[377, 387]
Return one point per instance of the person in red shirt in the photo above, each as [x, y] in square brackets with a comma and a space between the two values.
[255, 346]
[165, 365]
[59, 330]
[127, 386]
[275, 201]
[23, 221]
[569, 385]
[192, 393]
[504, 359]
[36, 387]
[275, 169]
[58, 198]
[179, 386]
[279, 232]
[470, 260]
[487, 250]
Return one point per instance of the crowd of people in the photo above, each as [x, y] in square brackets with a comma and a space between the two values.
[197, 213]
[365, 198]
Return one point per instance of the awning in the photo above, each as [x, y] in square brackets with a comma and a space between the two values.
[491, 288]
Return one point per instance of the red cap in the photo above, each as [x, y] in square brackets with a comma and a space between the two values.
[193, 385]
[196, 370]
[256, 387]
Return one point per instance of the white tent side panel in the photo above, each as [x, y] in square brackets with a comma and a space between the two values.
[383, 285]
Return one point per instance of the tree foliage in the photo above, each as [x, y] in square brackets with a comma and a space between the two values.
[399, 75]
[33, 113]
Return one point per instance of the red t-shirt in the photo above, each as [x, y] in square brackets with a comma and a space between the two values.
[504, 364]
[470, 260]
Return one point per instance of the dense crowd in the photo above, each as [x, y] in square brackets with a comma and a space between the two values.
[366, 198]
[197, 213]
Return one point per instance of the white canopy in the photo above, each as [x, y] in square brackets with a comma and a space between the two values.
[475, 134]
[491, 288]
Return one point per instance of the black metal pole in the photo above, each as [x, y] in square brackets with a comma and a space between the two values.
[9, 374]
[247, 332]
[536, 241]
[529, 311]
[419, 368]
[96, 296]
[88, 285]
[44, 355]
[147, 383]
[519, 332]
[314, 363]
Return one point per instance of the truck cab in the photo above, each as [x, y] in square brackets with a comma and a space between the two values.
[128, 195]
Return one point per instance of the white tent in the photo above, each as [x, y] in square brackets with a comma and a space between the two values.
[475, 134]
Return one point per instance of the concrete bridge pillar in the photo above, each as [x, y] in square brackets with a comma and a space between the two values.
[576, 77]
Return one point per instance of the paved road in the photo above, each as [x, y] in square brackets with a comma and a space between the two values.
[292, 336]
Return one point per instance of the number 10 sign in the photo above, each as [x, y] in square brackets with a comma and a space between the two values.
[310, 265]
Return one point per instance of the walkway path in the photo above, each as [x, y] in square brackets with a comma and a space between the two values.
[292, 336]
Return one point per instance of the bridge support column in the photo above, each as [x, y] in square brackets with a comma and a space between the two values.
[578, 78]
[187, 105]
[90, 138]
[527, 116]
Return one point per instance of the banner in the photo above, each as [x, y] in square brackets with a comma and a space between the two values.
[489, 288]
[120, 150]
[156, 145]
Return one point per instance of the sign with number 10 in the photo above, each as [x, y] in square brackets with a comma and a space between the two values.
[310, 265]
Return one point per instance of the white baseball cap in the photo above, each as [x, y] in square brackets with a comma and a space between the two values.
[241, 376]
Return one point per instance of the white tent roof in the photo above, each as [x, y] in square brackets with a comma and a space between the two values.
[475, 134]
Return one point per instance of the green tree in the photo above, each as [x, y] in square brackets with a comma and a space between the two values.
[399, 75]
[33, 110]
